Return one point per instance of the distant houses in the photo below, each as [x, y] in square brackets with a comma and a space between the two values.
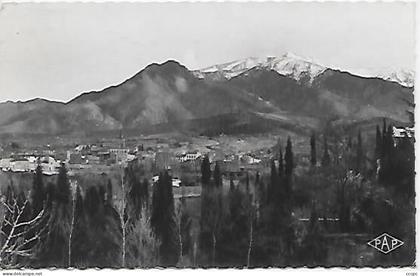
[48, 164]
[21, 164]
[401, 132]
[182, 159]
[188, 156]
[176, 182]
[120, 154]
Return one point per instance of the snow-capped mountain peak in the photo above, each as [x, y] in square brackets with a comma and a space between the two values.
[287, 64]
[402, 76]
[293, 66]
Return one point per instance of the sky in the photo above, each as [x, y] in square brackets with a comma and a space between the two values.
[59, 50]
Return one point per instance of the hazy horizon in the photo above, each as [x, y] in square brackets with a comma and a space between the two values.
[57, 51]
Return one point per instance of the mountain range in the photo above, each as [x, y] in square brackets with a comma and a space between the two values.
[250, 95]
[293, 66]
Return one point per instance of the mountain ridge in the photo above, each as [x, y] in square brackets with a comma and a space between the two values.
[293, 65]
[161, 94]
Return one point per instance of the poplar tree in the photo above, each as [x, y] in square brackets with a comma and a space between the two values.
[38, 193]
[313, 150]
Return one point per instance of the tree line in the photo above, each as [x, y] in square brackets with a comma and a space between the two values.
[254, 221]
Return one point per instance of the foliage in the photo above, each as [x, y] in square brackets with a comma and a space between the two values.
[163, 220]
[142, 245]
[313, 150]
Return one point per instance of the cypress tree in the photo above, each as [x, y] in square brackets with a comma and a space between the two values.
[288, 157]
[102, 194]
[210, 213]
[205, 172]
[384, 139]
[50, 195]
[217, 177]
[92, 201]
[79, 202]
[63, 186]
[387, 174]
[389, 140]
[281, 167]
[102, 248]
[387, 148]
[163, 220]
[234, 241]
[55, 247]
[259, 189]
[272, 191]
[289, 166]
[313, 150]
[137, 198]
[404, 167]
[38, 193]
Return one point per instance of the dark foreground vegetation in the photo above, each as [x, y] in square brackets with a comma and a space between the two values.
[322, 214]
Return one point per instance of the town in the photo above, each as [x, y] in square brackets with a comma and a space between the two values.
[182, 158]
[156, 154]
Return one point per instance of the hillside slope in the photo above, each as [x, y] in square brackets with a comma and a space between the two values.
[165, 95]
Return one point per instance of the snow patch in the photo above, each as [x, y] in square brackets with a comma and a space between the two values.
[297, 67]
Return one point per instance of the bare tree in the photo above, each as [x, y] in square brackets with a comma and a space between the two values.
[19, 236]
[142, 244]
[179, 224]
[215, 218]
[73, 211]
[251, 233]
[122, 206]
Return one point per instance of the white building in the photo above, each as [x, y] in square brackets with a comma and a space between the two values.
[176, 182]
[120, 154]
[250, 159]
[188, 156]
[49, 165]
[6, 164]
[401, 132]
[21, 165]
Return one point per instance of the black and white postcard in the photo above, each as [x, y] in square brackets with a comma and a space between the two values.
[207, 135]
